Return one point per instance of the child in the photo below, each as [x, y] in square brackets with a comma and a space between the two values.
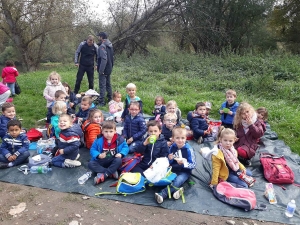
[52, 85]
[68, 143]
[262, 114]
[199, 124]
[182, 159]
[131, 91]
[14, 147]
[159, 108]
[59, 96]
[58, 109]
[171, 107]
[8, 113]
[4, 94]
[228, 109]
[169, 123]
[92, 127]
[85, 106]
[107, 152]
[9, 74]
[116, 107]
[225, 164]
[71, 98]
[134, 126]
[151, 151]
[208, 109]
[248, 129]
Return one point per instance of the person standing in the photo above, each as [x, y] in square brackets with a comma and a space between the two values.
[105, 65]
[85, 57]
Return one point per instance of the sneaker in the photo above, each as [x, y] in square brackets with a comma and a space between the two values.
[178, 193]
[159, 198]
[77, 157]
[115, 175]
[71, 163]
[99, 178]
[3, 165]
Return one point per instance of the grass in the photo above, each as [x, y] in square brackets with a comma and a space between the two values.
[269, 80]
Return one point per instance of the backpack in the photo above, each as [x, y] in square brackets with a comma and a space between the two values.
[167, 180]
[129, 162]
[230, 194]
[39, 160]
[276, 170]
[34, 135]
[128, 183]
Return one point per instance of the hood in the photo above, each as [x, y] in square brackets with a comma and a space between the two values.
[206, 152]
[10, 69]
[48, 83]
[76, 129]
[107, 43]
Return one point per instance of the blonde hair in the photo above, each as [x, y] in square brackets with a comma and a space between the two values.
[238, 115]
[171, 102]
[58, 107]
[131, 86]
[179, 130]
[224, 131]
[264, 111]
[92, 112]
[54, 73]
[170, 116]
[230, 92]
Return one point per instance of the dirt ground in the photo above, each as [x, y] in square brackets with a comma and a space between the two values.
[45, 207]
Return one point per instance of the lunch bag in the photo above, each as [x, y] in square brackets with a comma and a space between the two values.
[34, 135]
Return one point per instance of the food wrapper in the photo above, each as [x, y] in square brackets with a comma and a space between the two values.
[270, 193]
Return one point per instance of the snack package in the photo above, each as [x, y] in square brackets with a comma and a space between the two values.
[270, 193]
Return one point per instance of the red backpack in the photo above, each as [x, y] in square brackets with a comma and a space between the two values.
[34, 135]
[276, 170]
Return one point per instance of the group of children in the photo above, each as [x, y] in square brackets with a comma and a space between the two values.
[236, 142]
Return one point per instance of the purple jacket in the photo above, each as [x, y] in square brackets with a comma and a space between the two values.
[249, 140]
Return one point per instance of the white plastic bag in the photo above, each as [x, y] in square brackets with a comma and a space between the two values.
[158, 170]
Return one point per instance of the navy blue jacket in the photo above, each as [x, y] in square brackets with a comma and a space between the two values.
[135, 127]
[185, 152]
[127, 102]
[69, 141]
[105, 57]
[152, 152]
[84, 114]
[3, 125]
[88, 54]
[226, 118]
[166, 132]
[14, 146]
[198, 126]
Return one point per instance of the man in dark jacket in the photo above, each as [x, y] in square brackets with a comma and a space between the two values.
[85, 56]
[105, 66]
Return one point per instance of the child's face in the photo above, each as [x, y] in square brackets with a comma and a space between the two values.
[64, 110]
[246, 113]
[118, 98]
[10, 113]
[170, 122]
[54, 80]
[171, 109]
[67, 89]
[14, 131]
[260, 115]
[154, 130]
[230, 99]
[85, 105]
[64, 123]
[158, 101]
[134, 110]
[108, 133]
[97, 118]
[227, 141]
[62, 97]
[179, 138]
[208, 111]
[131, 92]
[201, 110]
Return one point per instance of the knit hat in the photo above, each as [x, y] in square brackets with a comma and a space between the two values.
[208, 105]
[103, 35]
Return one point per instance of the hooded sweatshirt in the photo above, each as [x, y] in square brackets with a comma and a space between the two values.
[9, 74]
[105, 57]
[49, 91]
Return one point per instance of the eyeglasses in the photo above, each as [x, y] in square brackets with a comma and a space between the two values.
[170, 121]
[133, 109]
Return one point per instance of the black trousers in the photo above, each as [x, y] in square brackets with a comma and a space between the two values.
[90, 75]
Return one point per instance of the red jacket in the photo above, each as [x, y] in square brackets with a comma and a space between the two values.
[90, 131]
[9, 74]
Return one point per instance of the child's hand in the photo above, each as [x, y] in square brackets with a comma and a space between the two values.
[171, 156]
[71, 104]
[147, 142]
[11, 158]
[102, 155]
[221, 111]
[230, 113]
[129, 140]
[118, 155]
[61, 151]
[73, 116]
[14, 157]
[248, 120]
[169, 143]
[179, 161]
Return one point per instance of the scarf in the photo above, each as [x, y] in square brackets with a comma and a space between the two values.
[246, 125]
[111, 147]
[230, 156]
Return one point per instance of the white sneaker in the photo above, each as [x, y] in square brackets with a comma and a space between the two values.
[77, 157]
[159, 198]
[72, 163]
[178, 193]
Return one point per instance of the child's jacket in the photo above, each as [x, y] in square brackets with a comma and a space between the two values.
[97, 147]
[135, 127]
[9, 74]
[151, 153]
[166, 132]
[198, 126]
[49, 91]
[3, 125]
[90, 132]
[226, 118]
[185, 152]
[84, 114]
[69, 141]
[14, 146]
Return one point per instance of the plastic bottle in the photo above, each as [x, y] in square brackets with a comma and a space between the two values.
[84, 177]
[152, 139]
[40, 169]
[39, 146]
[290, 209]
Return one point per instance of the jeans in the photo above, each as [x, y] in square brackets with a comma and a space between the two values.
[233, 178]
[59, 160]
[12, 88]
[107, 165]
[133, 146]
[178, 182]
[105, 85]
[4, 97]
[90, 75]
[19, 160]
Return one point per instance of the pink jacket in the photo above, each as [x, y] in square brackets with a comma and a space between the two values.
[49, 91]
[3, 88]
[9, 74]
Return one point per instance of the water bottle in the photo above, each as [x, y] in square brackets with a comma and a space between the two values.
[39, 146]
[152, 139]
[290, 209]
[84, 177]
[40, 169]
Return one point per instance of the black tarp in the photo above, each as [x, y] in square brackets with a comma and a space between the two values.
[199, 197]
